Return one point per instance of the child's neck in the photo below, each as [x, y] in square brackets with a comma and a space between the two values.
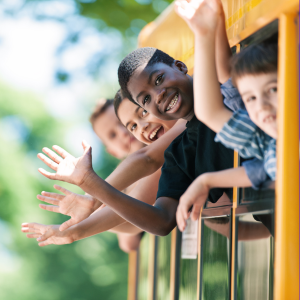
[190, 115]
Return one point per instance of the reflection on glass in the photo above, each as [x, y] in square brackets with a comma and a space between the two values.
[215, 247]
[143, 268]
[163, 268]
[189, 262]
[254, 258]
[251, 195]
[188, 279]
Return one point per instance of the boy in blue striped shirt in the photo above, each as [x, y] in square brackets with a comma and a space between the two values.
[253, 132]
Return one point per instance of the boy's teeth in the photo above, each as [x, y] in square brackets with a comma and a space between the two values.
[269, 118]
[173, 102]
[153, 134]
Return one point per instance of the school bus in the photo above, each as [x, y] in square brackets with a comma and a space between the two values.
[228, 255]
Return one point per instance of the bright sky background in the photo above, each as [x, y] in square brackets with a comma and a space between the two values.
[29, 62]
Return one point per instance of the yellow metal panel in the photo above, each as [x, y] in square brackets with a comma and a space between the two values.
[199, 255]
[286, 281]
[173, 264]
[243, 17]
[132, 276]
[233, 230]
[171, 34]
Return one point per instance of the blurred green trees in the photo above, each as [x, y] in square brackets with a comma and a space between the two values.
[117, 22]
[94, 268]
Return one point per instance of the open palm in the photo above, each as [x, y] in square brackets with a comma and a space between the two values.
[67, 167]
[78, 207]
[200, 15]
[47, 234]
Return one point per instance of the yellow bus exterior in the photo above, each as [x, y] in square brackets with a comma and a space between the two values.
[243, 19]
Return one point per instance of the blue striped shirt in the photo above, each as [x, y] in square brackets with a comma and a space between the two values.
[241, 134]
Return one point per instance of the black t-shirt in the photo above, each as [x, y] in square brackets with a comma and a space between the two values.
[191, 154]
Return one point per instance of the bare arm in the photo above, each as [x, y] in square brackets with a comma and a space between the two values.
[198, 191]
[158, 219]
[208, 100]
[144, 161]
[106, 219]
[223, 51]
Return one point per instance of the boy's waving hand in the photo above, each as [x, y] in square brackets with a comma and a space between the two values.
[67, 167]
[47, 234]
[78, 207]
[200, 15]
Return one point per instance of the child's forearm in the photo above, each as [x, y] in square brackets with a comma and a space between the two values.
[100, 221]
[223, 51]
[133, 168]
[158, 219]
[235, 177]
[145, 161]
[209, 107]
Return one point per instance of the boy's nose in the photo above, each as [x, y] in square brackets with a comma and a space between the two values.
[144, 126]
[160, 96]
[263, 102]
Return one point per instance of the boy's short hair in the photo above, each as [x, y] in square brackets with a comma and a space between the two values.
[138, 57]
[101, 106]
[253, 60]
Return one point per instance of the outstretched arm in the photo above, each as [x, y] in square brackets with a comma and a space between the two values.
[158, 220]
[197, 192]
[223, 51]
[78, 207]
[101, 220]
[145, 161]
[203, 18]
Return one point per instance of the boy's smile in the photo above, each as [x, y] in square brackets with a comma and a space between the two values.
[165, 91]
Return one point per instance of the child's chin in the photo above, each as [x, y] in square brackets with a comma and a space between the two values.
[271, 131]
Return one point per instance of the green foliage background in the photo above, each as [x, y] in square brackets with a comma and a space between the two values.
[88, 269]
[94, 268]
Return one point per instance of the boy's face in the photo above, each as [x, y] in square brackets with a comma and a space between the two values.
[164, 91]
[117, 140]
[259, 93]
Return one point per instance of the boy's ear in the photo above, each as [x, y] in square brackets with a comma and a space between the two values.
[181, 66]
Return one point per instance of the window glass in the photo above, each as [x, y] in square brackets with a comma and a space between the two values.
[189, 262]
[215, 247]
[143, 268]
[251, 195]
[163, 267]
[188, 279]
[255, 257]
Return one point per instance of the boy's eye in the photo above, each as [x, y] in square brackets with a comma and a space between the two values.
[144, 113]
[273, 90]
[158, 79]
[112, 135]
[252, 98]
[146, 99]
[133, 127]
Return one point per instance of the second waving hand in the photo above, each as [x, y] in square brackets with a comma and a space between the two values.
[78, 207]
[67, 168]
